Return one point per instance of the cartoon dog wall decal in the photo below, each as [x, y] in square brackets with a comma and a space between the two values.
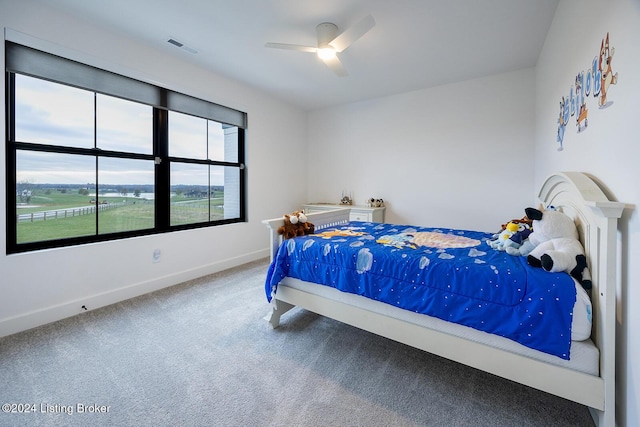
[607, 78]
[595, 81]
[583, 112]
[562, 123]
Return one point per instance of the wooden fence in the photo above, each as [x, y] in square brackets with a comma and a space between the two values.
[65, 213]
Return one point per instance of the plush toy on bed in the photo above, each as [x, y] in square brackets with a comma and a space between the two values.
[517, 239]
[554, 245]
[520, 244]
[307, 227]
[295, 224]
[522, 221]
[498, 240]
[512, 234]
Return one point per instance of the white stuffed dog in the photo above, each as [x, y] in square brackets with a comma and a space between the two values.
[556, 246]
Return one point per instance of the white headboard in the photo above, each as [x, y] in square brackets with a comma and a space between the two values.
[596, 218]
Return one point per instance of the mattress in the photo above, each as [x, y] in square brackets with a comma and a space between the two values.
[448, 274]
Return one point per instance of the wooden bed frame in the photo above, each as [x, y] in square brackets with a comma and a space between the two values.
[596, 218]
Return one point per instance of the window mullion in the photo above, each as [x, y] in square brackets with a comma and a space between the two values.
[10, 153]
[95, 146]
[162, 185]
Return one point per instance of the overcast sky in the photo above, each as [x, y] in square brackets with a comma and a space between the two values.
[49, 113]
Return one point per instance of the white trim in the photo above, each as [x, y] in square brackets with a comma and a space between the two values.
[36, 318]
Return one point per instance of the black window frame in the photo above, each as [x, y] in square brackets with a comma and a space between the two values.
[24, 60]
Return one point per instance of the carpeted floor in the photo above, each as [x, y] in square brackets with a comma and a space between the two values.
[200, 354]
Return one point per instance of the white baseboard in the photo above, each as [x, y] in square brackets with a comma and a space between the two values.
[46, 315]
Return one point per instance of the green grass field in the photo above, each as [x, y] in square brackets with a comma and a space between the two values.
[124, 213]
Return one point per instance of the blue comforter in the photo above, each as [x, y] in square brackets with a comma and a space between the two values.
[450, 274]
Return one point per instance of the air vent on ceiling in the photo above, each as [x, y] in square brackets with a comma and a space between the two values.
[181, 45]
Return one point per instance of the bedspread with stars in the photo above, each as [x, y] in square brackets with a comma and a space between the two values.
[450, 274]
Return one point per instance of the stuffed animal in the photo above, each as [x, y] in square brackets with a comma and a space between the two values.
[556, 224]
[498, 240]
[307, 227]
[375, 203]
[295, 224]
[511, 234]
[517, 239]
[524, 220]
[554, 245]
[289, 229]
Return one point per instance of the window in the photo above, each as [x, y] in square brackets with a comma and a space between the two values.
[95, 156]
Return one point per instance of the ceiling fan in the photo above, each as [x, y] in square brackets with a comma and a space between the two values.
[331, 43]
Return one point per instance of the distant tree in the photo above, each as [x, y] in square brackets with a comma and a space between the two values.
[124, 191]
[25, 196]
[22, 189]
[136, 192]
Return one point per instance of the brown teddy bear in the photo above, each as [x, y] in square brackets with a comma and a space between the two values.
[295, 224]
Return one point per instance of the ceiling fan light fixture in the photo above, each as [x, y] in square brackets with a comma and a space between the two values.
[326, 52]
[330, 43]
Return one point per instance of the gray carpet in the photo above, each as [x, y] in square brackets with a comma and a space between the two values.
[200, 354]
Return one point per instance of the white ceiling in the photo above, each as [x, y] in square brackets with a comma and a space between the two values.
[415, 44]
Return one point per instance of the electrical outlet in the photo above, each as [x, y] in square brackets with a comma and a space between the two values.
[156, 255]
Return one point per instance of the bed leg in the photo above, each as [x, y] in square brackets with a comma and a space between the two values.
[278, 308]
[603, 418]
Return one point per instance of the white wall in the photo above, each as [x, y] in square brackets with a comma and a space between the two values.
[43, 286]
[608, 149]
[458, 155]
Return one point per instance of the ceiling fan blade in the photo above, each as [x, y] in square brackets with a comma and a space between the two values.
[292, 47]
[352, 34]
[335, 65]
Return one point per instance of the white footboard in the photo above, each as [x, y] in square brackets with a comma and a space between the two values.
[319, 219]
